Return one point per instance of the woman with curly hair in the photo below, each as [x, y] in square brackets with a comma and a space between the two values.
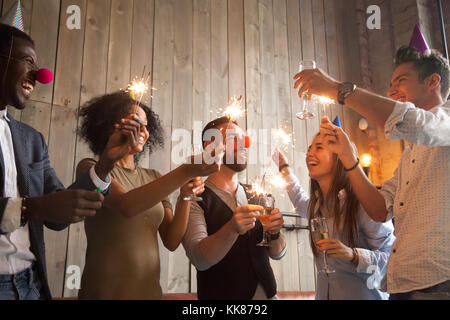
[122, 257]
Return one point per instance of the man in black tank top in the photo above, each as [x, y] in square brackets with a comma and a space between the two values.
[223, 230]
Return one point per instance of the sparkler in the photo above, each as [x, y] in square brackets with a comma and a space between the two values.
[275, 180]
[234, 109]
[283, 136]
[278, 181]
[139, 87]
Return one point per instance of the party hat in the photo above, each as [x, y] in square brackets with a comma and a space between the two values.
[13, 16]
[418, 41]
[337, 122]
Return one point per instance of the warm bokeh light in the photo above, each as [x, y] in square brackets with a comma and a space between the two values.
[366, 160]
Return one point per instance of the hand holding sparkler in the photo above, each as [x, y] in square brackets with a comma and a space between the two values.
[208, 162]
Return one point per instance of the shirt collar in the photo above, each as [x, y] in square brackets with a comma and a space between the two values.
[4, 114]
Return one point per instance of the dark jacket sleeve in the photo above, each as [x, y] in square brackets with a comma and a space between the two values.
[3, 203]
[52, 184]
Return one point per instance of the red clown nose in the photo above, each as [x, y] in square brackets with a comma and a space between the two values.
[248, 142]
[44, 76]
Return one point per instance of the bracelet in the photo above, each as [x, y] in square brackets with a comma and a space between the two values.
[352, 168]
[23, 213]
[283, 166]
[275, 236]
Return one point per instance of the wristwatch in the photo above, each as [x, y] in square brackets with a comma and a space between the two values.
[345, 90]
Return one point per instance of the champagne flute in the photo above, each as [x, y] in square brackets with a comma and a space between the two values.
[319, 231]
[305, 114]
[196, 152]
[268, 203]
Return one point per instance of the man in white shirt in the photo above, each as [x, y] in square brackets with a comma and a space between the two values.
[32, 196]
[418, 196]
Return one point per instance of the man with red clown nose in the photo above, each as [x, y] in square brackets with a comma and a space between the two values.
[31, 194]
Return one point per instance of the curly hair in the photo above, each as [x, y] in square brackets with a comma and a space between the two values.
[101, 114]
[426, 65]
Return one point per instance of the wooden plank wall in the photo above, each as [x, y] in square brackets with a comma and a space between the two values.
[200, 53]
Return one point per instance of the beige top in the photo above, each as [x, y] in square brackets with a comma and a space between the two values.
[122, 257]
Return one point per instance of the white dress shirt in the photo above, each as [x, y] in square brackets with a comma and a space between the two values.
[418, 198]
[15, 253]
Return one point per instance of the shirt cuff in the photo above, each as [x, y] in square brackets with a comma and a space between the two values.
[364, 260]
[99, 183]
[290, 179]
[12, 216]
[397, 116]
[281, 255]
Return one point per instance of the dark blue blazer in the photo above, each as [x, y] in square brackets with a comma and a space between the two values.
[35, 177]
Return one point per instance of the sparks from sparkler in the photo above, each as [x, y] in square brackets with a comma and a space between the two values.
[234, 109]
[139, 87]
[284, 137]
[275, 181]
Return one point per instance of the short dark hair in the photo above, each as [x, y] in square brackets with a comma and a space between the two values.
[101, 114]
[214, 124]
[426, 65]
[7, 33]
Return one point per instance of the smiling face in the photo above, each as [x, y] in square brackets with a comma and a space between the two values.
[143, 133]
[18, 76]
[320, 161]
[406, 87]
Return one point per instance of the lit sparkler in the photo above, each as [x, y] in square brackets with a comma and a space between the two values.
[277, 181]
[139, 87]
[234, 109]
[283, 136]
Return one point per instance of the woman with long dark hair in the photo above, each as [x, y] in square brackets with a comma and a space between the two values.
[122, 257]
[357, 248]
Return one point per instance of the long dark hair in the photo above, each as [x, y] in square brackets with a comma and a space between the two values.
[348, 212]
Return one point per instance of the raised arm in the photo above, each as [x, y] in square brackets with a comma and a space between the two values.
[133, 202]
[173, 227]
[296, 193]
[400, 120]
[368, 195]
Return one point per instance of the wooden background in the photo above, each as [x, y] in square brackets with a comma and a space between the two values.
[200, 53]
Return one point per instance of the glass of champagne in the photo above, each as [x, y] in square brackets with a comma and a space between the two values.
[268, 203]
[305, 114]
[196, 156]
[319, 231]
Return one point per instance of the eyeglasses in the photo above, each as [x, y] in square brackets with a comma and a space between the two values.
[31, 64]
